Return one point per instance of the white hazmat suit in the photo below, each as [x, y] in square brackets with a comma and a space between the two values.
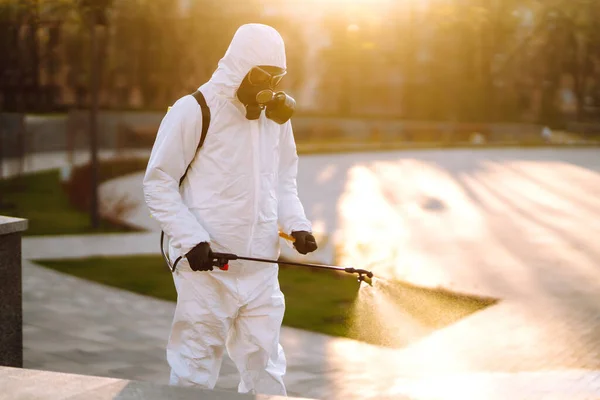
[239, 192]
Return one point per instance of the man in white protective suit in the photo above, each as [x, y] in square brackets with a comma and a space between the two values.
[238, 194]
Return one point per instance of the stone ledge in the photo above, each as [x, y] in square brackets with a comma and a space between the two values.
[18, 383]
[10, 225]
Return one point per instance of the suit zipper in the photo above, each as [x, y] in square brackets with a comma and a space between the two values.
[256, 173]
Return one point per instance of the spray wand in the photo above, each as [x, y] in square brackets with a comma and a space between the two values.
[222, 262]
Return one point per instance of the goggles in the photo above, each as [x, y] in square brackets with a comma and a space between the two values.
[259, 76]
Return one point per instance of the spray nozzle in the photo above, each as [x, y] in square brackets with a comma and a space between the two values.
[366, 279]
[363, 275]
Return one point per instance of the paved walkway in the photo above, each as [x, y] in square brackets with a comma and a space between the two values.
[519, 225]
[76, 326]
[81, 246]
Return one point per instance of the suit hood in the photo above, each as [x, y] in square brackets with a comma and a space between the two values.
[252, 44]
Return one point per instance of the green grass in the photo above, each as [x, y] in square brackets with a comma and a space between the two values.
[41, 199]
[318, 301]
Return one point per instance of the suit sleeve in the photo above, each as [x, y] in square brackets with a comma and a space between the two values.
[290, 210]
[174, 148]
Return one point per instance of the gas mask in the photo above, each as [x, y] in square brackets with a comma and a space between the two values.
[257, 93]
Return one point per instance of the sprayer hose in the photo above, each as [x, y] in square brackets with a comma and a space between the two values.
[165, 257]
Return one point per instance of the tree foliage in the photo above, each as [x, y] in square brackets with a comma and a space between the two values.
[468, 60]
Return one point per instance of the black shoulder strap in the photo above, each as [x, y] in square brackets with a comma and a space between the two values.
[205, 123]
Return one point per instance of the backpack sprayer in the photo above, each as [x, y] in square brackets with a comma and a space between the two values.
[221, 261]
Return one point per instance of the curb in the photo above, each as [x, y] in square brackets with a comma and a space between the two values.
[316, 148]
